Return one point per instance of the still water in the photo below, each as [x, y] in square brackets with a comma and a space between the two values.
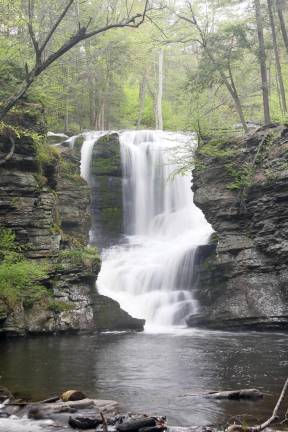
[149, 372]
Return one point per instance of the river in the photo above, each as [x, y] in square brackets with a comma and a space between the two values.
[149, 372]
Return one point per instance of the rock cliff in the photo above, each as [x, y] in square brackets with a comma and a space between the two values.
[44, 202]
[242, 188]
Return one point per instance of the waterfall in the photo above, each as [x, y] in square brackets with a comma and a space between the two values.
[90, 138]
[151, 273]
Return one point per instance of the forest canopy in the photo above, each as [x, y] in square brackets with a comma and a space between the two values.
[178, 65]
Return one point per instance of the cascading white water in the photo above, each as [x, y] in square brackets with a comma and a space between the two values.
[90, 138]
[151, 275]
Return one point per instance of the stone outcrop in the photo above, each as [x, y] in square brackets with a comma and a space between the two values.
[109, 316]
[242, 188]
[45, 202]
[106, 186]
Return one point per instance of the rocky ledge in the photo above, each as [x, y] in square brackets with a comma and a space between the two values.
[44, 204]
[242, 188]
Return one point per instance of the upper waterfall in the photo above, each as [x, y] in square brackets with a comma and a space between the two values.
[151, 274]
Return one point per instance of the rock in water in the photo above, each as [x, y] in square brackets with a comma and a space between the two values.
[153, 429]
[134, 426]
[72, 395]
[84, 422]
[5, 394]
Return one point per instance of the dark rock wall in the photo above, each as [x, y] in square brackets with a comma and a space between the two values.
[243, 192]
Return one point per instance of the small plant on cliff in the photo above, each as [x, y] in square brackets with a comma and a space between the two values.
[242, 176]
[20, 278]
[68, 170]
[89, 256]
[59, 306]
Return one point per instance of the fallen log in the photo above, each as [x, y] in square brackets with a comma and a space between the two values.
[248, 394]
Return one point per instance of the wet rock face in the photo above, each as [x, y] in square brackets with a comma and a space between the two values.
[244, 284]
[106, 194]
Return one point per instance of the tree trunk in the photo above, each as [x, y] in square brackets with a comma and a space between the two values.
[282, 23]
[231, 87]
[277, 57]
[142, 91]
[262, 60]
[158, 107]
[66, 118]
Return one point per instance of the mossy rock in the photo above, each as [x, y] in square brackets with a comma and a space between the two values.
[106, 157]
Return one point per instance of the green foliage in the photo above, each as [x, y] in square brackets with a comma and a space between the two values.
[59, 306]
[7, 243]
[20, 279]
[99, 85]
[46, 154]
[216, 148]
[89, 256]
[68, 171]
[242, 176]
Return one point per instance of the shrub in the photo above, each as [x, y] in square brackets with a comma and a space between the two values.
[88, 256]
[59, 306]
[20, 282]
[20, 278]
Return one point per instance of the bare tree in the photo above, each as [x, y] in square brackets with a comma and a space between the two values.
[262, 61]
[82, 33]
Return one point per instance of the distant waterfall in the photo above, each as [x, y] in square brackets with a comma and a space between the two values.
[151, 274]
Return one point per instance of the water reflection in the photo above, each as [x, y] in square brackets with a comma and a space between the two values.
[148, 372]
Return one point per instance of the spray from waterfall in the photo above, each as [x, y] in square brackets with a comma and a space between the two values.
[151, 274]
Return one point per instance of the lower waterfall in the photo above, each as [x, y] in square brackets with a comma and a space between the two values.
[151, 273]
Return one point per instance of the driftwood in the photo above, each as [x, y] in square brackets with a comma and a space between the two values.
[248, 394]
[274, 417]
